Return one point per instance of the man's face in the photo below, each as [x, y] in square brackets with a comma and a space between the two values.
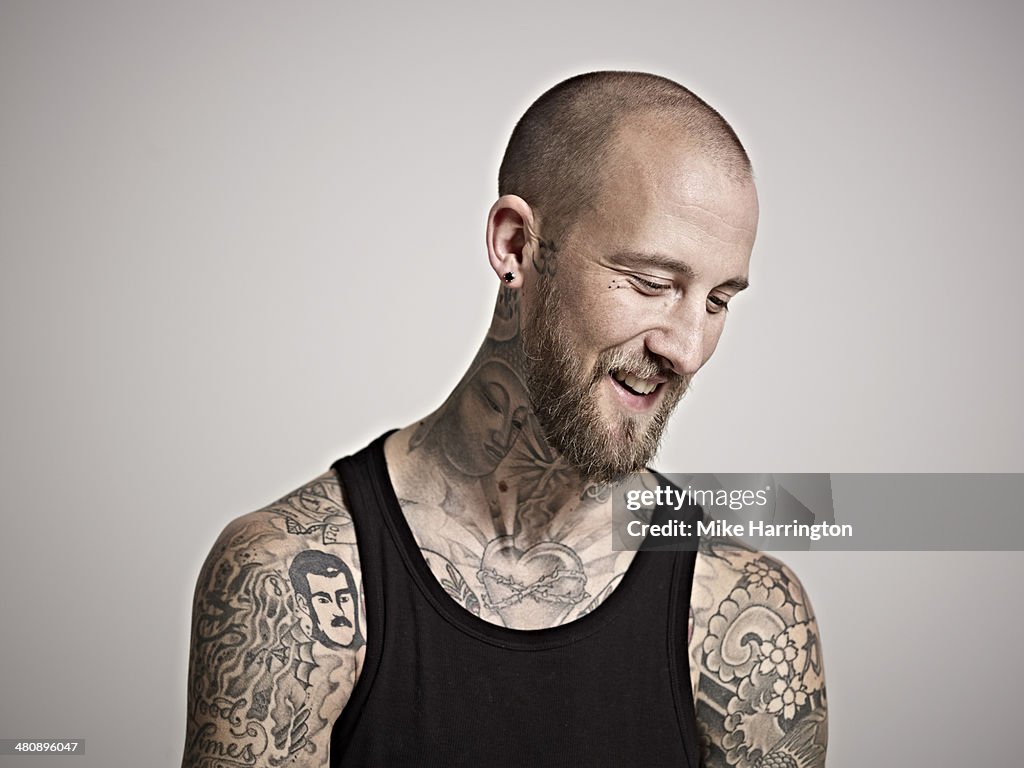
[333, 605]
[637, 304]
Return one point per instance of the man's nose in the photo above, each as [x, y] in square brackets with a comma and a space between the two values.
[680, 337]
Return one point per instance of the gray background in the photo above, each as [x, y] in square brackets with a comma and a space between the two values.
[241, 239]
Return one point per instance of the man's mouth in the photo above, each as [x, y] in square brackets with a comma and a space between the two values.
[634, 384]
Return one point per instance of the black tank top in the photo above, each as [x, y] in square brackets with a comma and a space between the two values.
[442, 687]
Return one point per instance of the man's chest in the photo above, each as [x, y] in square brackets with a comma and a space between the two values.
[512, 576]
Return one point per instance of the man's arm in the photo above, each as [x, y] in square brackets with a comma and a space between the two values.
[756, 663]
[271, 664]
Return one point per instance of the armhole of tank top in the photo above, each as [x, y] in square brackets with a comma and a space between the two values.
[679, 650]
[679, 655]
[358, 492]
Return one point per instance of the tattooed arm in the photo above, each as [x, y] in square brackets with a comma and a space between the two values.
[277, 634]
[756, 663]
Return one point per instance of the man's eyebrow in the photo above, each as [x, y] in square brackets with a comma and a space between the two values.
[736, 283]
[322, 594]
[661, 261]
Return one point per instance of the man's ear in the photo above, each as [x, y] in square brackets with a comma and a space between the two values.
[510, 238]
[303, 604]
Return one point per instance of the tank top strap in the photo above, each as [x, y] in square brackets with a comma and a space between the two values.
[359, 475]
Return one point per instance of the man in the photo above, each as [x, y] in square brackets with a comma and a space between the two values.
[501, 626]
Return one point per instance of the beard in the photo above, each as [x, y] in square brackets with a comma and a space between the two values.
[565, 397]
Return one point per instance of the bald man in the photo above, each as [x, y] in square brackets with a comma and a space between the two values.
[500, 624]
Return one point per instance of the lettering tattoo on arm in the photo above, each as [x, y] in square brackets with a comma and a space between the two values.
[760, 684]
[277, 635]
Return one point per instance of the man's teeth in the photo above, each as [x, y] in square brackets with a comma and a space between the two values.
[637, 385]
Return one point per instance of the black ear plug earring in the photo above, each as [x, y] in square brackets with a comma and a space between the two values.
[509, 277]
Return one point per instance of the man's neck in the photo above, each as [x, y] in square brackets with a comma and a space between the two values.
[482, 456]
[511, 530]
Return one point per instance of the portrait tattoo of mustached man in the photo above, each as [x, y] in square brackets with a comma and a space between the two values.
[452, 594]
[326, 591]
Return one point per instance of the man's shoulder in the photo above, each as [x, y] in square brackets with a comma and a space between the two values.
[315, 509]
[728, 569]
[756, 663]
[264, 543]
[320, 499]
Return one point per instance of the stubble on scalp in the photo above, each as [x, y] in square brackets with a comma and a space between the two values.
[564, 398]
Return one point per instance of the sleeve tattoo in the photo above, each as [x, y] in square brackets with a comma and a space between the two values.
[276, 635]
[760, 689]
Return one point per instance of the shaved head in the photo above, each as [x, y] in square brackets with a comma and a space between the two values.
[561, 149]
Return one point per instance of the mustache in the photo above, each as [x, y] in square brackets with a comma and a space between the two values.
[340, 621]
[640, 363]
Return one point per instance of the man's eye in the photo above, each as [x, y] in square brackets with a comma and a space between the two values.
[717, 304]
[648, 286]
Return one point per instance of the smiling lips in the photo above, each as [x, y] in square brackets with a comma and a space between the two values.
[635, 384]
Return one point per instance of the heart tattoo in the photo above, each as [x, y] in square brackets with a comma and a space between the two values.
[540, 584]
